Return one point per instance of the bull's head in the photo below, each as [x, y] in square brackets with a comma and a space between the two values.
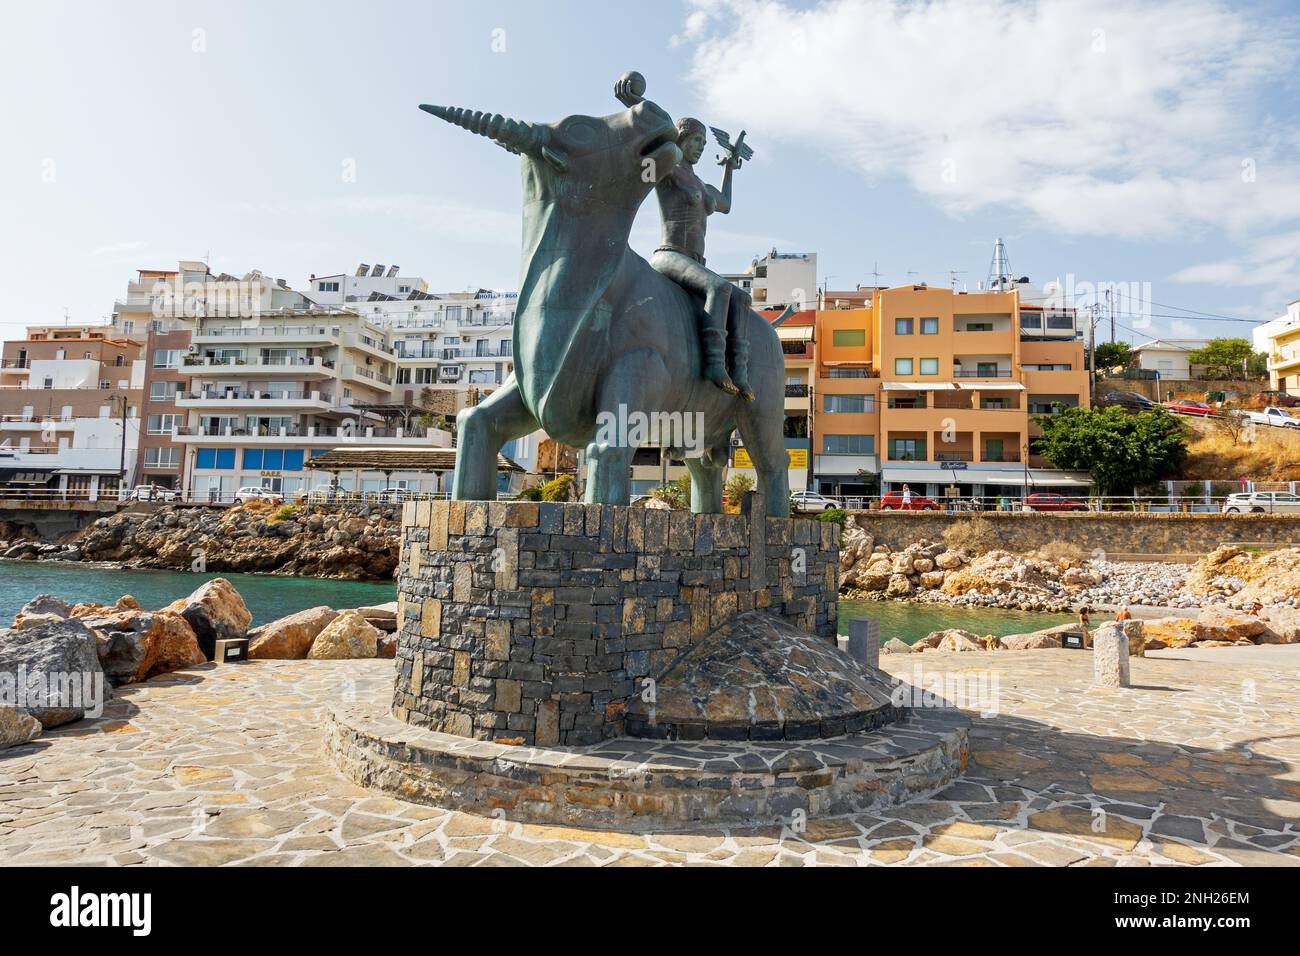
[614, 159]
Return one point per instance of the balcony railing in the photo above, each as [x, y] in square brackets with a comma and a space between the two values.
[15, 363]
[255, 331]
[241, 395]
[985, 373]
[796, 391]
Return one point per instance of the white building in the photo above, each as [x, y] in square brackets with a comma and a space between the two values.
[343, 289]
[780, 279]
[1168, 357]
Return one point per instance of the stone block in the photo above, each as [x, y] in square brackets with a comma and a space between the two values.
[1110, 656]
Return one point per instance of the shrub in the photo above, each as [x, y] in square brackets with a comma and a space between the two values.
[284, 513]
[975, 535]
[672, 494]
[558, 489]
[833, 515]
[531, 493]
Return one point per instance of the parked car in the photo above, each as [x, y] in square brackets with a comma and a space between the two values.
[1270, 396]
[1184, 406]
[153, 493]
[894, 502]
[1257, 501]
[811, 501]
[1046, 501]
[253, 493]
[1272, 415]
[1132, 401]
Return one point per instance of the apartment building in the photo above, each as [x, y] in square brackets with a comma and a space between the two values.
[1279, 340]
[937, 389]
[265, 396]
[779, 279]
[63, 394]
[1168, 358]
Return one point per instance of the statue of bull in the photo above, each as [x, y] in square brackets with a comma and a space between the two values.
[601, 338]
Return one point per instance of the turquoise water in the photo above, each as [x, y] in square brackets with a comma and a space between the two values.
[911, 622]
[267, 596]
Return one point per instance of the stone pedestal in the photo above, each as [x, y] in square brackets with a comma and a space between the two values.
[864, 641]
[1110, 653]
[536, 622]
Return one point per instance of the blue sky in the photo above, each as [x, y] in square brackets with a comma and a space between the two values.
[1112, 142]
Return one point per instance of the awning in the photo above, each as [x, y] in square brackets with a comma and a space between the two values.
[1038, 477]
[989, 386]
[918, 386]
[15, 477]
[89, 471]
[396, 459]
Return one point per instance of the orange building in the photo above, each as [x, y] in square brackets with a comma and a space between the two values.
[936, 389]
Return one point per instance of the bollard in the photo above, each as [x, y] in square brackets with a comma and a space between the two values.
[864, 641]
[1110, 651]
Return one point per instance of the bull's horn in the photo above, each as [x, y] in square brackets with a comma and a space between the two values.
[513, 135]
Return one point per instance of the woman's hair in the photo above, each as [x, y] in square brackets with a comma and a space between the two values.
[688, 125]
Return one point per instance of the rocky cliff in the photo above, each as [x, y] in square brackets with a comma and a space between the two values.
[360, 542]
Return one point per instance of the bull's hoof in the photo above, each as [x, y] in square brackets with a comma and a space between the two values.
[748, 394]
[724, 382]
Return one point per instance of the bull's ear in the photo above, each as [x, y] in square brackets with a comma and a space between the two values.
[556, 159]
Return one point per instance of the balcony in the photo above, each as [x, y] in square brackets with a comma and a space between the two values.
[234, 398]
[959, 372]
[16, 365]
[360, 372]
[269, 333]
[313, 367]
[325, 435]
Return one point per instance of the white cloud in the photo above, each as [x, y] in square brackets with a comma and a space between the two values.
[1097, 117]
[456, 220]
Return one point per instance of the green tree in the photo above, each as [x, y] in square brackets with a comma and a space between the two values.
[1224, 358]
[1120, 450]
[1112, 354]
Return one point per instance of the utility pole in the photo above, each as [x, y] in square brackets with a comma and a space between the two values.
[121, 467]
[1092, 355]
[1110, 309]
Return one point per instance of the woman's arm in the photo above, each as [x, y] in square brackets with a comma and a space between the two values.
[720, 199]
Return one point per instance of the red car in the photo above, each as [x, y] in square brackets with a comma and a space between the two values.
[894, 502]
[1184, 406]
[1045, 501]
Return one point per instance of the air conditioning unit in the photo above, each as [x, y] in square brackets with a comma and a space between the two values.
[192, 349]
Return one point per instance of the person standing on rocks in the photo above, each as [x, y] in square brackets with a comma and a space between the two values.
[1124, 614]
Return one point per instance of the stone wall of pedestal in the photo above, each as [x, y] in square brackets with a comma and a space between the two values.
[535, 622]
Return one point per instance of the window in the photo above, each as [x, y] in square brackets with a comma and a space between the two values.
[907, 449]
[850, 404]
[902, 366]
[163, 424]
[164, 391]
[105, 383]
[49, 382]
[119, 361]
[327, 286]
[848, 444]
[929, 366]
[848, 338]
[929, 326]
[978, 327]
[848, 373]
[216, 458]
[166, 358]
[903, 326]
[162, 457]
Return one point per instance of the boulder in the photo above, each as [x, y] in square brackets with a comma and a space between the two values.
[932, 579]
[954, 635]
[948, 561]
[216, 612]
[348, 636]
[958, 640]
[137, 645]
[17, 727]
[1283, 626]
[1216, 624]
[1032, 641]
[59, 664]
[1170, 632]
[24, 621]
[922, 565]
[291, 637]
[898, 586]
[46, 604]
[895, 646]
[1135, 631]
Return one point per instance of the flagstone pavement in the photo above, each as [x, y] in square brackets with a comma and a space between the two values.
[1197, 764]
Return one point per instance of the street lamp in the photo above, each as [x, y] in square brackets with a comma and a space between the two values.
[121, 467]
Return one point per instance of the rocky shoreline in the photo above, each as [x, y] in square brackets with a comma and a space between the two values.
[355, 543]
[64, 659]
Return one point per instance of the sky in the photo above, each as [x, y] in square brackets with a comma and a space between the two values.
[1152, 145]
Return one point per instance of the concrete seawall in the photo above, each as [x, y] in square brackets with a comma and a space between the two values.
[1191, 535]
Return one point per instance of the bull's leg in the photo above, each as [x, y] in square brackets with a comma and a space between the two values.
[706, 486]
[738, 342]
[632, 387]
[480, 433]
[760, 423]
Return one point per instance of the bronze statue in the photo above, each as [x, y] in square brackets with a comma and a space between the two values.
[685, 204]
[601, 335]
